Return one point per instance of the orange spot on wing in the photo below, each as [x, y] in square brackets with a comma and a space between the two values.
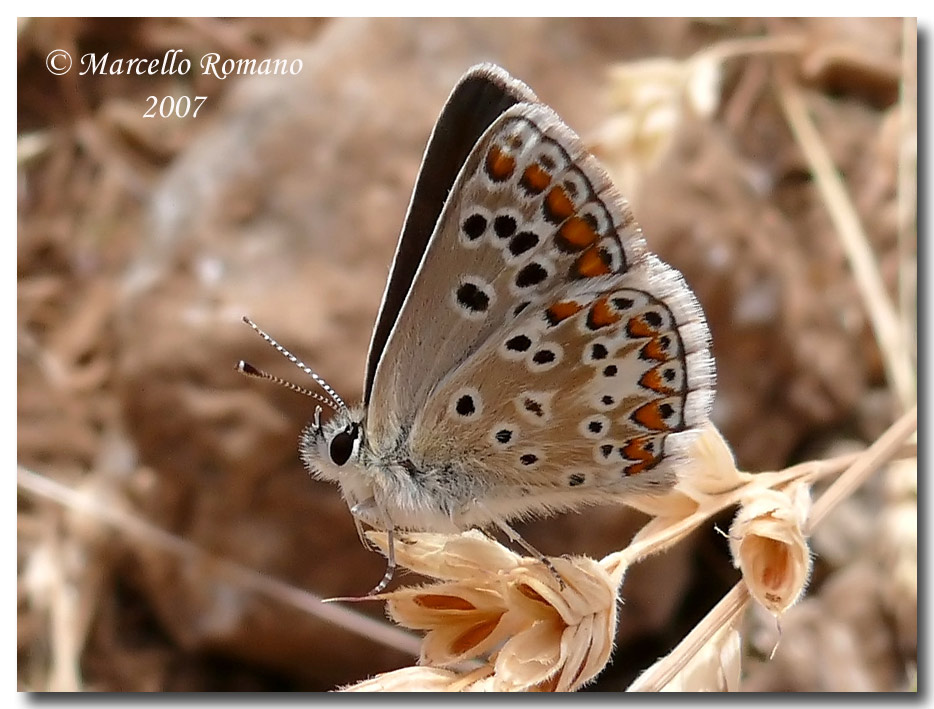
[636, 468]
[650, 416]
[656, 349]
[592, 263]
[576, 234]
[601, 315]
[638, 327]
[653, 380]
[535, 179]
[562, 311]
[499, 165]
[646, 451]
[558, 206]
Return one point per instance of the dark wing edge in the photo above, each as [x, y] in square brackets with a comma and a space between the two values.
[668, 285]
[483, 94]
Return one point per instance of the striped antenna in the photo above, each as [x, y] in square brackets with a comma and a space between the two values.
[251, 371]
[294, 360]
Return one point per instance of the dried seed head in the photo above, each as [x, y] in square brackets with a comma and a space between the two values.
[462, 622]
[469, 555]
[650, 101]
[534, 633]
[710, 468]
[768, 546]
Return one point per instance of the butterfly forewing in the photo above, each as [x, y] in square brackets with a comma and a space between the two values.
[540, 345]
[479, 98]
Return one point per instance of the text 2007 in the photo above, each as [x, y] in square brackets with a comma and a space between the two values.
[169, 106]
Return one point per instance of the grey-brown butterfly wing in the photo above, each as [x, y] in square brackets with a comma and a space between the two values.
[492, 371]
[589, 393]
[480, 97]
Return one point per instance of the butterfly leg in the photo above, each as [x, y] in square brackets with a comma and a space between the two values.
[367, 512]
[390, 565]
[516, 538]
[361, 532]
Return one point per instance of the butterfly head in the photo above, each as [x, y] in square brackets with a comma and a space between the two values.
[326, 447]
[330, 448]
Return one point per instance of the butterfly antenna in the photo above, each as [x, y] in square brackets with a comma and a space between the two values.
[251, 371]
[294, 360]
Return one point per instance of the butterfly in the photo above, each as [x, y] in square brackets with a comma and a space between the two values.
[531, 355]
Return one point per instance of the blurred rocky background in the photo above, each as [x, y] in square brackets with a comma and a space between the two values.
[142, 241]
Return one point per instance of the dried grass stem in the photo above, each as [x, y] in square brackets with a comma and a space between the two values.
[882, 314]
[247, 578]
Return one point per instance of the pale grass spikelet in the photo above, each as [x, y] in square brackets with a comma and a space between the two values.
[460, 622]
[710, 468]
[707, 474]
[509, 612]
[569, 631]
[408, 679]
[768, 545]
[717, 667]
[650, 99]
[450, 557]
[896, 548]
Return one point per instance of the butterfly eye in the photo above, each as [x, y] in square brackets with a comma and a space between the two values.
[342, 445]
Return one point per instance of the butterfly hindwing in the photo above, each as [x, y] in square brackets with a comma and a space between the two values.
[586, 393]
[540, 344]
